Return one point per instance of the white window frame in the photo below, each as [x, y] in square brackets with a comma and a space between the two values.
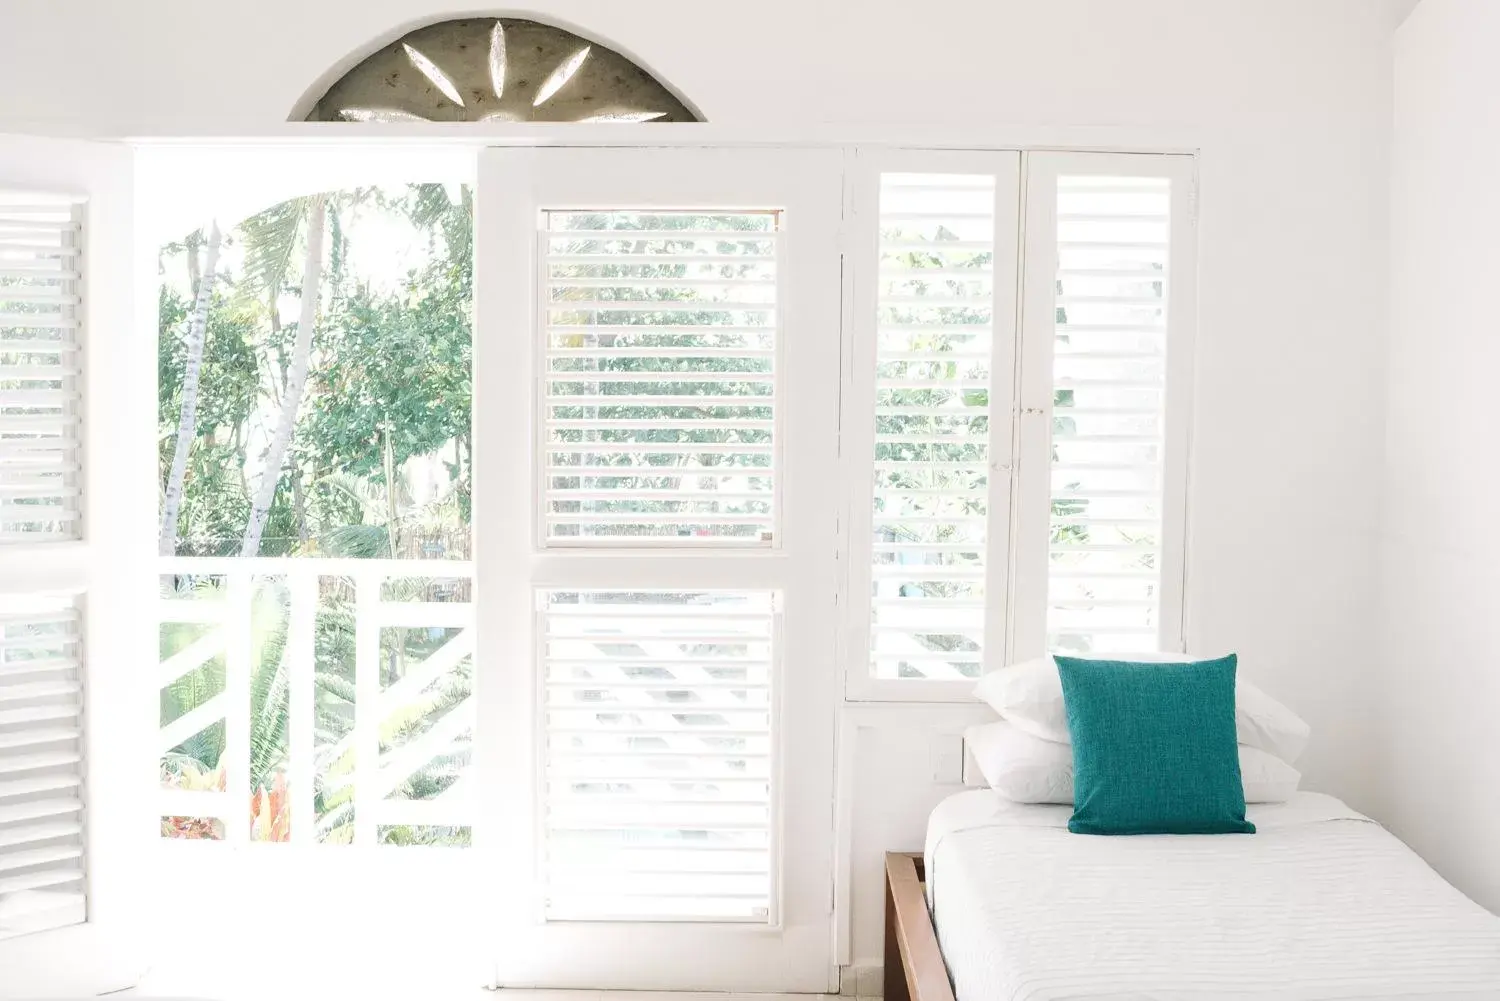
[1016, 600]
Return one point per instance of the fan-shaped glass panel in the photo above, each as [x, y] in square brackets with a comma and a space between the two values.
[505, 69]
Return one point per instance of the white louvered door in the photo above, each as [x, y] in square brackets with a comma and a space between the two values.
[69, 852]
[659, 329]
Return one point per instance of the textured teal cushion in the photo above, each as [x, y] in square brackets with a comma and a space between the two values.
[1153, 747]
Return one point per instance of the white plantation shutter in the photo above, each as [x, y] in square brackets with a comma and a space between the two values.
[41, 770]
[1109, 414]
[660, 377]
[41, 683]
[934, 374]
[39, 397]
[1082, 549]
[658, 758]
[1109, 274]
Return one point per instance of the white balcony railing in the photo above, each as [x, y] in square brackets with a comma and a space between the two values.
[310, 700]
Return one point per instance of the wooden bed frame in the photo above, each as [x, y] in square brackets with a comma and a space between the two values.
[914, 967]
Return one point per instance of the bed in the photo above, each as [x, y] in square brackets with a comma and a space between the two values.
[1006, 905]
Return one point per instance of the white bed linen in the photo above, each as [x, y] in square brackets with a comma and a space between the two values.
[1320, 903]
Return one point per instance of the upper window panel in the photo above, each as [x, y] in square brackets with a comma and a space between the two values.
[660, 346]
[503, 70]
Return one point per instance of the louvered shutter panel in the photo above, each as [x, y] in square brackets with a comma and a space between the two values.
[660, 380]
[659, 755]
[934, 366]
[41, 772]
[39, 397]
[1109, 414]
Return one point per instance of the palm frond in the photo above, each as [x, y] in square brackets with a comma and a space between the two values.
[270, 243]
[368, 542]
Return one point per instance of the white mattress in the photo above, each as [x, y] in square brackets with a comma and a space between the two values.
[1320, 903]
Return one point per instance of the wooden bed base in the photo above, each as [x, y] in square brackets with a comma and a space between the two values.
[914, 967]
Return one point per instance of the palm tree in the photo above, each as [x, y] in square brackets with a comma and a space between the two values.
[269, 251]
[187, 424]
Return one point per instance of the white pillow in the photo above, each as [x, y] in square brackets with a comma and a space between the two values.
[1030, 695]
[1027, 769]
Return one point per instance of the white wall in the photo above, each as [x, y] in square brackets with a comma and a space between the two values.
[1440, 681]
[1288, 100]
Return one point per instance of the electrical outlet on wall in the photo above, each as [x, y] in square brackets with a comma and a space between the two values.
[945, 752]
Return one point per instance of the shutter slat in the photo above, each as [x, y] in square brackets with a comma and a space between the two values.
[694, 307]
[628, 259]
[937, 246]
[640, 781]
[569, 233]
[39, 856]
[53, 296]
[38, 346]
[718, 377]
[8, 246]
[653, 330]
[30, 834]
[681, 401]
[37, 714]
[39, 809]
[648, 486]
[38, 689]
[565, 283]
[40, 321]
[49, 783]
[57, 876]
[11, 763]
[654, 352]
[33, 738]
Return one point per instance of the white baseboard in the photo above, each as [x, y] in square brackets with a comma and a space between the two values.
[864, 980]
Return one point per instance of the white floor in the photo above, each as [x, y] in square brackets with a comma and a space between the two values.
[145, 993]
[149, 991]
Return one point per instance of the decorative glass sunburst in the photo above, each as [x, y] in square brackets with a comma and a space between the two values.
[505, 69]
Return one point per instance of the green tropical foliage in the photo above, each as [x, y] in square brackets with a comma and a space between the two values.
[378, 466]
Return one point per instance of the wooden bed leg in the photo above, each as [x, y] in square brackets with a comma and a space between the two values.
[895, 971]
[914, 967]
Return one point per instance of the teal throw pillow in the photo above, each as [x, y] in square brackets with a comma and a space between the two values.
[1154, 747]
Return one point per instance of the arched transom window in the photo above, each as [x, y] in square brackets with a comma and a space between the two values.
[505, 69]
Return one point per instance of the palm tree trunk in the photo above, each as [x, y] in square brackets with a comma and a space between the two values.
[296, 379]
[299, 506]
[187, 421]
[388, 463]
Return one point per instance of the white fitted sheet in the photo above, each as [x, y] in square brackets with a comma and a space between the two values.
[1320, 903]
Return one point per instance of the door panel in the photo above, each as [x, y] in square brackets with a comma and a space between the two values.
[64, 607]
[658, 330]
